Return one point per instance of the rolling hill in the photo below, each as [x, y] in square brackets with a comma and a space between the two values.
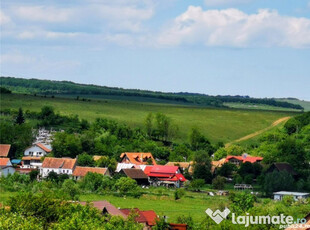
[218, 124]
[71, 89]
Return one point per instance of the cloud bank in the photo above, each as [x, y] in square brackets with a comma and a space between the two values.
[232, 27]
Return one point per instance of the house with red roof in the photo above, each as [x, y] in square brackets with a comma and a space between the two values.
[147, 218]
[57, 165]
[4, 150]
[105, 208]
[6, 167]
[164, 175]
[33, 154]
[79, 171]
[138, 158]
[237, 160]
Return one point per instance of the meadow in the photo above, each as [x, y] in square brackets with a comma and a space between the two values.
[217, 124]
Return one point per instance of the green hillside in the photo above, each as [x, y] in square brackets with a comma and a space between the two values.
[71, 89]
[218, 124]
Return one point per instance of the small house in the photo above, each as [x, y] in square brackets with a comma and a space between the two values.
[138, 158]
[32, 155]
[280, 167]
[4, 150]
[105, 208]
[295, 195]
[238, 160]
[147, 218]
[136, 174]
[79, 171]
[57, 165]
[6, 167]
[165, 175]
[184, 166]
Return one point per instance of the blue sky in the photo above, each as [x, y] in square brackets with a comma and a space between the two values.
[259, 48]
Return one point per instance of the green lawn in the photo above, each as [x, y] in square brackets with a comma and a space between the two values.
[217, 124]
[194, 206]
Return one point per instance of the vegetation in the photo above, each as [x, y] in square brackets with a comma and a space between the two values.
[215, 124]
[47, 87]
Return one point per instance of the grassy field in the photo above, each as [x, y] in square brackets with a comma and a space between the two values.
[217, 124]
[258, 107]
[305, 104]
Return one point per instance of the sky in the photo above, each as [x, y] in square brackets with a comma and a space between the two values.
[259, 48]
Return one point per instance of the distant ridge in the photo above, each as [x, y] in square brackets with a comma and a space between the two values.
[52, 87]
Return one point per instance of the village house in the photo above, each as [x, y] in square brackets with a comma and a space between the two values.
[138, 158]
[184, 166]
[57, 165]
[217, 164]
[147, 218]
[295, 195]
[79, 171]
[32, 155]
[164, 175]
[280, 167]
[136, 174]
[105, 208]
[237, 160]
[6, 167]
[4, 150]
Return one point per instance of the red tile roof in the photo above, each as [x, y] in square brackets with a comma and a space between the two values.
[107, 206]
[164, 169]
[164, 172]
[137, 158]
[4, 150]
[82, 171]
[65, 163]
[4, 161]
[244, 159]
[149, 217]
[42, 146]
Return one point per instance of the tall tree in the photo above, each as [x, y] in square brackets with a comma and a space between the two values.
[202, 167]
[20, 117]
[149, 124]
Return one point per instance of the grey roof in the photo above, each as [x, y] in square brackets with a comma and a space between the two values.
[291, 193]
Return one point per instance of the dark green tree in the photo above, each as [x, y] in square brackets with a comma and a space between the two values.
[20, 119]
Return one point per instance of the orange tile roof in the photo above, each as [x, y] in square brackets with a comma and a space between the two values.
[4, 161]
[65, 163]
[244, 159]
[31, 158]
[137, 158]
[4, 150]
[82, 171]
[42, 146]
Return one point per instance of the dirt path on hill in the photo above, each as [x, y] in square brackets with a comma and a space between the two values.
[277, 122]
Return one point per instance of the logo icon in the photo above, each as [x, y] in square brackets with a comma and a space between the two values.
[218, 216]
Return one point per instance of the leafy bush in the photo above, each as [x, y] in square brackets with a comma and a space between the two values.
[179, 193]
[218, 182]
[125, 185]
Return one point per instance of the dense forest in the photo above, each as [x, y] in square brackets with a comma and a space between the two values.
[47, 87]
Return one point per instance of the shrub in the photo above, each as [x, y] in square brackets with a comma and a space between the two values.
[179, 193]
[197, 184]
[126, 184]
[218, 182]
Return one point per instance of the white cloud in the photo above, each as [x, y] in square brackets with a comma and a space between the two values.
[43, 13]
[4, 19]
[225, 2]
[232, 27]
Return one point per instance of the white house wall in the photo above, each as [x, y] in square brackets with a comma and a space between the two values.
[35, 150]
[6, 171]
